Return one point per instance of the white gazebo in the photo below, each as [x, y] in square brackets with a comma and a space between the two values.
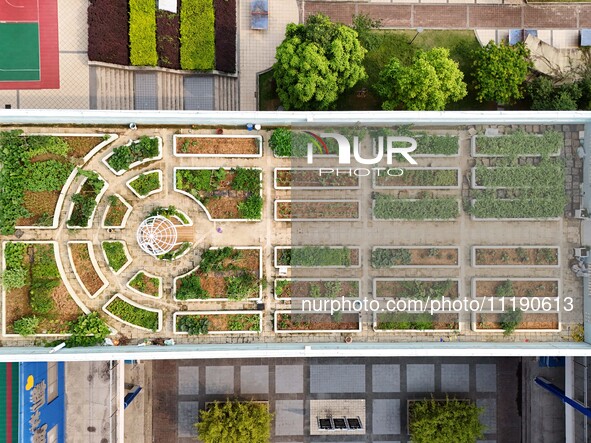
[157, 235]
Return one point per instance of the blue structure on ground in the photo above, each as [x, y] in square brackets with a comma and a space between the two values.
[553, 389]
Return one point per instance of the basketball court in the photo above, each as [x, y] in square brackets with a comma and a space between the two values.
[29, 44]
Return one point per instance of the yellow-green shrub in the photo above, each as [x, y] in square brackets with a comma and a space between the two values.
[142, 33]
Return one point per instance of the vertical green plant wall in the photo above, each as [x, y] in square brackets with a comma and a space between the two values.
[142, 33]
[197, 35]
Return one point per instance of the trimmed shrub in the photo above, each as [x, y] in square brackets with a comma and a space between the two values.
[197, 35]
[108, 31]
[26, 325]
[225, 35]
[142, 33]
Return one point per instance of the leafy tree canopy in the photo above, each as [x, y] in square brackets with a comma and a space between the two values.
[316, 62]
[431, 81]
[546, 96]
[500, 71]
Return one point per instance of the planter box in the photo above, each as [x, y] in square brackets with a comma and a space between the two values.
[125, 216]
[209, 299]
[110, 138]
[178, 139]
[474, 183]
[137, 163]
[382, 281]
[355, 254]
[317, 203]
[384, 177]
[143, 294]
[449, 321]
[521, 286]
[259, 314]
[414, 220]
[94, 265]
[535, 319]
[319, 281]
[316, 180]
[417, 153]
[97, 199]
[474, 147]
[209, 217]
[409, 404]
[277, 322]
[131, 302]
[546, 219]
[125, 250]
[417, 254]
[128, 183]
[531, 251]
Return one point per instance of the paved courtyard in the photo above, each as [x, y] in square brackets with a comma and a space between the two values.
[294, 386]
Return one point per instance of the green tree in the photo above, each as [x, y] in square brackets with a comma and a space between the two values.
[546, 96]
[431, 81]
[364, 25]
[235, 422]
[316, 62]
[449, 421]
[500, 71]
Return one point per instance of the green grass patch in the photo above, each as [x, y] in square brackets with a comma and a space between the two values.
[142, 33]
[197, 35]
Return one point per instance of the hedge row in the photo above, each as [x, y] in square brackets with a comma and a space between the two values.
[108, 31]
[197, 35]
[142, 33]
[225, 35]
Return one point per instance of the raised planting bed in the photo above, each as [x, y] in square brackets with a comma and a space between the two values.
[116, 255]
[225, 194]
[210, 145]
[223, 274]
[146, 184]
[317, 256]
[415, 321]
[134, 153]
[508, 322]
[86, 268]
[287, 143]
[317, 210]
[218, 322]
[306, 322]
[225, 35]
[85, 200]
[416, 288]
[387, 207]
[516, 287]
[547, 174]
[313, 179]
[168, 39]
[518, 144]
[108, 31]
[428, 144]
[288, 289]
[117, 213]
[419, 178]
[146, 284]
[529, 206]
[32, 286]
[132, 314]
[414, 257]
[516, 256]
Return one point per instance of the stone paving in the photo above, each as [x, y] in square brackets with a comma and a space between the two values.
[295, 387]
[267, 233]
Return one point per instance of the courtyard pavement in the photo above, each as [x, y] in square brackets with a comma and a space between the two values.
[291, 386]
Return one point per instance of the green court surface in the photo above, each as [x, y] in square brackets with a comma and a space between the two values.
[19, 46]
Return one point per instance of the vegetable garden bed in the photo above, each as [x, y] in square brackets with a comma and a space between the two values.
[530, 207]
[414, 257]
[133, 154]
[225, 194]
[306, 322]
[86, 268]
[116, 255]
[428, 145]
[387, 207]
[34, 292]
[516, 256]
[516, 287]
[117, 213]
[288, 289]
[223, 274]
[218, 322]
[146, 184]
[419, 178]
[287, 143]
[317, 210]
[85, 200]
[310, 178]
[317, 256]
[547, 174]
[146, 284]
[415, 322]
[210, 145]
[529, 322]
[416, 288]
[518, 144]
[132, 314]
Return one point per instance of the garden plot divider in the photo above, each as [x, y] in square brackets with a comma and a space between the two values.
[278, 315]
[312, 280]
[330, 180]
[354, 255]
[124, 299]
[97, 199]
[128, 209]
[353, 205]
[178, 150]
[133, 165]
[155, 191]
[525, 251]
[430, 255]
[177, 315]
[94, 265]
[143, 294]
[385, 177]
